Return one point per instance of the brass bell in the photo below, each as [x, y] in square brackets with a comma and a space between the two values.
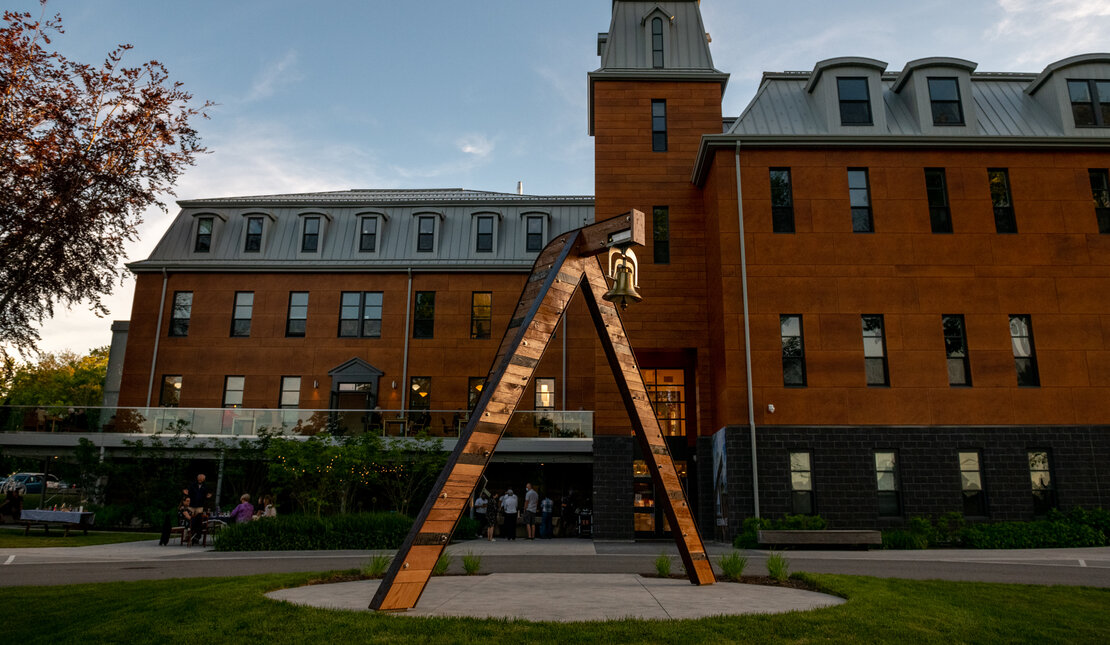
[623, 288]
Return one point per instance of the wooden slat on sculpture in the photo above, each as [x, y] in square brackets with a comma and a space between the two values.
[566, 263]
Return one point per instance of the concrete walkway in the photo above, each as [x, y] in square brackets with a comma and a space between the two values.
[569, 597]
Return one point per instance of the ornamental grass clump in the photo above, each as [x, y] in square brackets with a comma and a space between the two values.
[471, 563]
[663, 565]
[442, 563]
[733, 565]
[778, 567]
[376, 566]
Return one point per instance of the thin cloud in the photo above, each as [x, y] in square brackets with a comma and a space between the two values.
[477, 145]
[279, 73]
[1059, 27]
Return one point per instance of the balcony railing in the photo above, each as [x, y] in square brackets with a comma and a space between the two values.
[245, 422]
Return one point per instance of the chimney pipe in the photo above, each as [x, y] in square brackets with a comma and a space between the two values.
[520, 188]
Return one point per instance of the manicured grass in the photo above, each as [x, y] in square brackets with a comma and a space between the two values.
[234, 610]
[13, 538]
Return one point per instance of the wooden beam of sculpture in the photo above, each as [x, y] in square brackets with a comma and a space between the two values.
[555, 277]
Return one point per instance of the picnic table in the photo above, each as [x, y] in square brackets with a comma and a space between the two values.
[68, 519]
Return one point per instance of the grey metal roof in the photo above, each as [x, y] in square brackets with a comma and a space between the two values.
[453, 210]
[783, 107]
[628, 44]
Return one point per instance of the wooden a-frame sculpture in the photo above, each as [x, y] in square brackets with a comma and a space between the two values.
[569, 260]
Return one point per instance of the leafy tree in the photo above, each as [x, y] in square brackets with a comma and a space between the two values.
[84, 149]
[323, 472]
[61, 380]
[408, 468]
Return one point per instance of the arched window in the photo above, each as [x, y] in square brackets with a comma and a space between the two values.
[657, 43]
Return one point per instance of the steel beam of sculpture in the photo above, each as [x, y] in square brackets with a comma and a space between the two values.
[566, 263]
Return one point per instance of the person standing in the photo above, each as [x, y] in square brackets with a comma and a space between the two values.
[531, 506]
[547, 509]
[493, 511]
[481, 504]
[198, 493]
[509, 509]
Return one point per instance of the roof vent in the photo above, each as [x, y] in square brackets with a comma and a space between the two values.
[520, 188]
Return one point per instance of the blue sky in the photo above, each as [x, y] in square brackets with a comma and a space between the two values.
[479, 94]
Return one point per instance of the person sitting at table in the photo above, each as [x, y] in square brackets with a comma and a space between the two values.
[13, 503]
[244, 512]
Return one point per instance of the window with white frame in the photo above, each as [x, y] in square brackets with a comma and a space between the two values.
[233, 391]
[290, 397]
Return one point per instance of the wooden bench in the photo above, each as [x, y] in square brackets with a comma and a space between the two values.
[828, 538]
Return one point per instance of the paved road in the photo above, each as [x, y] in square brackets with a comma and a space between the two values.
[148, 561]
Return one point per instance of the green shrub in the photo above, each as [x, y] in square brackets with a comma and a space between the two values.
[732, 565]
[467, 528]
[376, 566]
[1038, 534]
[442, 563]
[748, 538]
[471, 563]
[356, 531]
[904, 539]
[778, 567]
[663, 565]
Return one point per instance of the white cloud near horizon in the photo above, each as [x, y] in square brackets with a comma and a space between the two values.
[1054, 29]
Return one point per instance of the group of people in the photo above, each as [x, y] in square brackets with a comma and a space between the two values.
[507, 507]
[192, 513]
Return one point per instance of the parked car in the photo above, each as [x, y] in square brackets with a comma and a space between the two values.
[32, 482]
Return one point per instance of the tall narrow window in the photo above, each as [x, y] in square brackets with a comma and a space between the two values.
[658, 125]
[310, 238]
[233, 391]
[666, 391]
[793, 351]
[290, 397]
[368, 234]
[855, 101]
[936, 189]
[481, 314]
[782, 201]
[360, 314]
[971, 485]
[170, 394]
[421, 397]
[254, 235]
[1004, 219]
[955, 350]
[944, 99]
[545, 394]
[534, 232]
[241, 318]
[1100, 193]
[181, 314]
[657, 43]
[801, 484]
[297, 320]
[204, 235]
[1025, 353]
[874, 350]
[484, 239]
[424, 318]
[1090, 102]
[859, 196]
[886, 482]
[661, 234]
[474, 387]
[426, 233]
[1040, 476]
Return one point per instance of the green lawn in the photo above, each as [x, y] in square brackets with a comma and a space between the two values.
[13, 538]
[217, 610]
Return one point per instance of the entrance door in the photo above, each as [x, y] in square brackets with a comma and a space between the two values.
[667, 389]
[354, 387]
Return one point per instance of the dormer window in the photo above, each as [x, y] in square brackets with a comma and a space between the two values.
[484, 237]
[368, 234]
[944, 98]
[855, 101]
[425, 233]
[254, 235]
[533, 228]
[1090, 102]
[204, 235]
[310, 238]
[657, 43]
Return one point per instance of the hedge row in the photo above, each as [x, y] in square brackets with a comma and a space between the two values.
[356, 531]
[1074, 528]
[749, 540]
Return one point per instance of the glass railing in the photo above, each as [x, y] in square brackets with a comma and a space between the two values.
[244, 422]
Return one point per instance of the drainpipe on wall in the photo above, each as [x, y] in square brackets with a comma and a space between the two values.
[157, 337]
[747, 335]
[566, 320]
[408, 335]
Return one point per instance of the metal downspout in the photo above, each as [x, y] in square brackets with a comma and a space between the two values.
[565, 323]
[157, 337]
[747, 335]
[408, 335]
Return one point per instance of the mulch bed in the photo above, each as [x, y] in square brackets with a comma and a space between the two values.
[789, 583]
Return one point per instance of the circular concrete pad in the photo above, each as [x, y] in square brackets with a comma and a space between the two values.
[569, 597]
